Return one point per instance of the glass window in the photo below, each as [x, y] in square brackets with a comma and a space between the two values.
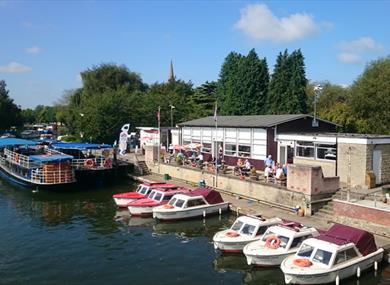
[172, 201]
[261, 230]
[158, 196]
[326, 152]
[167, 197]
[345, 255]
[206, 147]
[144, 190]
[267, 234]
[305, 149]
[179, 203]
[230, 149]
[248, 229]
[283, 241]
[305, 250]
[322, 256]
[151, 195]
[194, 203]
[139, 188]
[185, 142]
[237, 226]
[244, 150]
[297, 241]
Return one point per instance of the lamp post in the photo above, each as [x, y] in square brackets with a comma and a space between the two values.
[172, 107]
[317, 92]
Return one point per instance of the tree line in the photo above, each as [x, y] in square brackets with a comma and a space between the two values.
[112, 95]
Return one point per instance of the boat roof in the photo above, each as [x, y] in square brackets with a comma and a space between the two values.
[50, 158]
[159, 185]
[79, 145]
[15, 141]
[211, 196]
[341, 234]
[170, 192]
[290, 231]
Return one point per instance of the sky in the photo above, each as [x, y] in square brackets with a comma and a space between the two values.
[44, 45]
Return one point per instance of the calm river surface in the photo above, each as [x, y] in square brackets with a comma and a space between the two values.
[78, 237]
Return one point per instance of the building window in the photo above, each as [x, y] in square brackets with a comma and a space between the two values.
[186, 142]
[230, 149]
[326, 152]
[244, 150]
[206, 147]
[305, 149]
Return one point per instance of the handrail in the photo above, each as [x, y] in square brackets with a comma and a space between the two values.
[92, 163]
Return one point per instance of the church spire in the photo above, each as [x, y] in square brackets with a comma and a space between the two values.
[171, 77]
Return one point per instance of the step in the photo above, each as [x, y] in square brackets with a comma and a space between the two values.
[326, 211]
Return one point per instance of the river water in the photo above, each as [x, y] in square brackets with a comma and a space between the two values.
[78, 237]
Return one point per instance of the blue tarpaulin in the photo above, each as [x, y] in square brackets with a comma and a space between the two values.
[80, 146]
[14, 141]
[50, 158]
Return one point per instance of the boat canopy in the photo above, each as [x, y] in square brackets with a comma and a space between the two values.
[342, 234]
[50, 158]
[79, 146]
[211, 196]
[4, 142]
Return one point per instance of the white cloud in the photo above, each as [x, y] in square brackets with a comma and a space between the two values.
[363, 44]
[258, 22]
[349, 58]
[14, 67]
[33, 50]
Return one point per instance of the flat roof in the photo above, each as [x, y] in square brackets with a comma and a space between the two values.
[254, 121]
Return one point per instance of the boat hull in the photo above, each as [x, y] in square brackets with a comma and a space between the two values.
[185, 214]
[141, 211]
[324, 276]
[266, 260]
[231, 244]
[122, 202]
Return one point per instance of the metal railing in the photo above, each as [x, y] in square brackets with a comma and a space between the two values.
[59, 176]
[92, 163]
[17, 158]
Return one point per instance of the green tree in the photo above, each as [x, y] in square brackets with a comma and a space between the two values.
[203, 99]
[370, 98]
[10, 113]
[295, 101]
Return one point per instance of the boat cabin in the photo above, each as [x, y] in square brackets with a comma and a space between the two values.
[198, 197]
[250, 226]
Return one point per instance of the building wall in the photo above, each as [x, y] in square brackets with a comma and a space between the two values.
[305, 126]
[328, 167]
[385, 165]
[359, 157]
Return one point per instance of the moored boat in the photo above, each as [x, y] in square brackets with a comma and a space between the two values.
[158, 197]
[339, 253]
[277, 243]
[31, 165]
[201, 202]
[142, 191]
[244, 230]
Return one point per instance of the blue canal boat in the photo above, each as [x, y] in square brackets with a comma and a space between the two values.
[31, 165]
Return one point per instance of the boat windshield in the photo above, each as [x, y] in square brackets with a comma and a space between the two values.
[139, 188]
[179, 203]
[151, 195]
[305, 250]
[248, 229]
[158, 196]
[322, 256]
[143, 190]
[237, 226]
[172, 201]
[283, 239]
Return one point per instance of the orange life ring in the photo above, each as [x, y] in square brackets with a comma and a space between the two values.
[272, 242]
[302, 262]
[89, 163]
[232, 234]
[107, 162]
[168, 206]
[16, 157]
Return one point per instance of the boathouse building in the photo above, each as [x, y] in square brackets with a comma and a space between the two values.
[252, 137]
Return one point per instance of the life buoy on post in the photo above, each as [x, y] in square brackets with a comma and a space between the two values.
[89, 163]
[272, 242]
[107, 163]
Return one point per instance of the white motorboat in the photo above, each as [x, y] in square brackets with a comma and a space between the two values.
[142, 191]
[277, 243]
[201, 202]
[159, 196]
[244, 230]
[339, 253]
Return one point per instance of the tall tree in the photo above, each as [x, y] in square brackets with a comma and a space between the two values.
[370, 98]
[296, 100]
[10, 113]
[279, 85]
[203, 99]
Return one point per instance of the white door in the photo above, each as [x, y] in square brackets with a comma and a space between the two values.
[376, 165]
[282, 155]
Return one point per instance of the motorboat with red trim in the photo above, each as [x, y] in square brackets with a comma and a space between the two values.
[339, 253]
[142, 191]
[244, 230]
[158, 197]
[278, 242]
[201, 202]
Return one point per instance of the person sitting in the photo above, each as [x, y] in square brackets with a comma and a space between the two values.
[267, 172]
[200, 159]
[285, 169]
[193, 157]
[240, 163]
[279, 173]
[246, 168]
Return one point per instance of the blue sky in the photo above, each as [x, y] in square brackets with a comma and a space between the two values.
[46, 44]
